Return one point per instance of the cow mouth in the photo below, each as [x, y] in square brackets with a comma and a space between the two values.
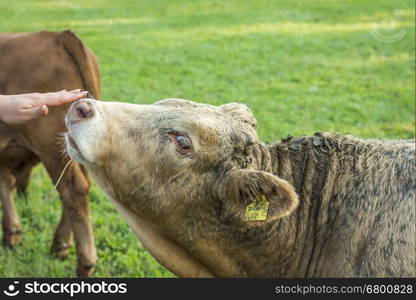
[73, 150]
[72, 144]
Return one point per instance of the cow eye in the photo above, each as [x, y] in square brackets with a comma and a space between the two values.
[182, 142]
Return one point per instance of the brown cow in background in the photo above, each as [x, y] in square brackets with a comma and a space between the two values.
[44, 62]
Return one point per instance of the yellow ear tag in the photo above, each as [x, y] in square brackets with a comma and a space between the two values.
[257, 210]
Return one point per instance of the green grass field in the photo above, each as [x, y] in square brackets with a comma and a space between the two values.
[301, 66]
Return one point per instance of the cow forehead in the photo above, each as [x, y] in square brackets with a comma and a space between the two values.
[183, 103]
[185, 115]
[211, 125]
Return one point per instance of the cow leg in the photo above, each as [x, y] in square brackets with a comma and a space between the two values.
[10, 221]
[22, 175]
[62, 239]
[73, 190]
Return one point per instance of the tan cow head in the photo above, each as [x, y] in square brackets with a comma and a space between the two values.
[180, 172]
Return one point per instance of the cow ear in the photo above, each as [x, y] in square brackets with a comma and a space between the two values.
[244, 187]
[240, 112]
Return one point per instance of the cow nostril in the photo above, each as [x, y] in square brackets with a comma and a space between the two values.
[84, 110]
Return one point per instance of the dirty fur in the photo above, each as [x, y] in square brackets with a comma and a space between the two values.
[339, 206]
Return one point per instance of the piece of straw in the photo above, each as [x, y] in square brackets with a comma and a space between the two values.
[62, 175]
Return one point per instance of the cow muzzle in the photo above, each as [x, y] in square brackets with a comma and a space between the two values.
[84, 130]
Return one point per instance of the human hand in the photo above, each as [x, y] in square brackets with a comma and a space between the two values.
[19, 109]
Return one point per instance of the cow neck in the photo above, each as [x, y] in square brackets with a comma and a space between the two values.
[306, 167]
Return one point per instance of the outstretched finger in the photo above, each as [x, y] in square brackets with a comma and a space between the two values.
[62, 97]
